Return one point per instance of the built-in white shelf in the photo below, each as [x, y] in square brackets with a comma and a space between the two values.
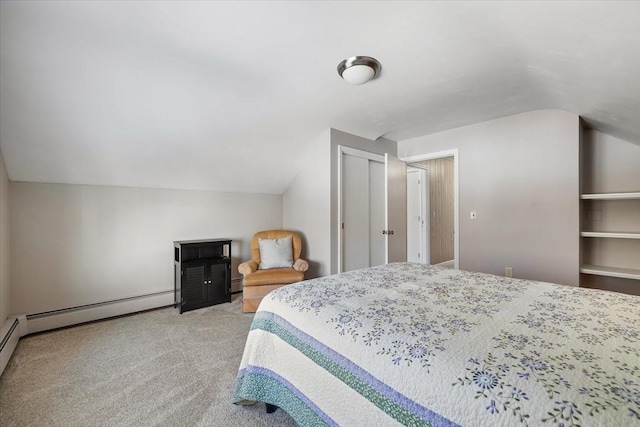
[627, 209]
[625, 273]
[611, 196]
[610, 234]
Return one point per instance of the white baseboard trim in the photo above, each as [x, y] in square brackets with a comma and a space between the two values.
[9, 336]
[447, 264]
[88, 313]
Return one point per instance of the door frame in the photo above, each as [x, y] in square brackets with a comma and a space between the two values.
[342, 150]
[424, 213]
[456, 193]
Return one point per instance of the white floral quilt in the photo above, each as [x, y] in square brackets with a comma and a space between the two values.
[418, 345]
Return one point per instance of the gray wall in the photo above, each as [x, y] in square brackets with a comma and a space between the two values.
[5, 285]
[305, 206]
[520, 173]
[610, 164]
[77, 244]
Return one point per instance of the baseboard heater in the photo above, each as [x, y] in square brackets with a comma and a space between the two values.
[10, 336]
[102, 310]
[14, 328]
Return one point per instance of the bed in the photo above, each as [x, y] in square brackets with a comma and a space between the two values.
[410, 344]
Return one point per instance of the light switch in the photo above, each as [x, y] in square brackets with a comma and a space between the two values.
[474, 215]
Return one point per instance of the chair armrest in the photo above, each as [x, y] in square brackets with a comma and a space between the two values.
[300, 265]
[247, 267]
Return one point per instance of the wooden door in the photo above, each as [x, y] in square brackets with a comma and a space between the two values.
[396, 209]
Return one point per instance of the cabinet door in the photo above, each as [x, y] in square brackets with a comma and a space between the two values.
[218, 282]
[194, 287]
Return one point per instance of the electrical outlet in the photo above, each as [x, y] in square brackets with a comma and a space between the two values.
[508, 272]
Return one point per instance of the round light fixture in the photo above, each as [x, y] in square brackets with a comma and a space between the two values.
[358, 70]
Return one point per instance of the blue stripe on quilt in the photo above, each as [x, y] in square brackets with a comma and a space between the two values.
[380, 394]
[287, 403]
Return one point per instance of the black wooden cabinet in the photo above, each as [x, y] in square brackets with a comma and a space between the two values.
[202, 273]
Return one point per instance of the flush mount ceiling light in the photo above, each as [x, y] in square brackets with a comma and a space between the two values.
[358, 70]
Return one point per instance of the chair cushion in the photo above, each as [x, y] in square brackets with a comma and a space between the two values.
[275, 234]
[273, 276]
[275, 253]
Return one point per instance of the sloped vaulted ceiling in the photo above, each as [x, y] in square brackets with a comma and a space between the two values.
[225, 95]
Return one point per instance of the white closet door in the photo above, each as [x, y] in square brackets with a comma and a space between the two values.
[414, 216]
[396, 209]
[355, 213]
[418, 216]
[425, 235]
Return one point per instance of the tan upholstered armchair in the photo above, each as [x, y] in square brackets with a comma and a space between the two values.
[259, 280]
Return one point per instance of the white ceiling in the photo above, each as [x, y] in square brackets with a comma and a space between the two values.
[226, 95]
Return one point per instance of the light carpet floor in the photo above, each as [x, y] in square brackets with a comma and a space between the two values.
[158, 368]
